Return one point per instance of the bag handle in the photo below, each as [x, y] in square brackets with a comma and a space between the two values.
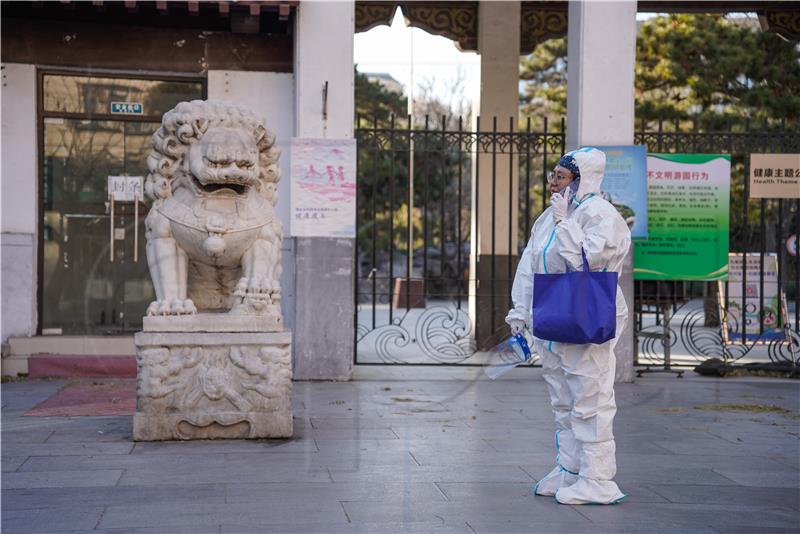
[583, 252]
[585, 262]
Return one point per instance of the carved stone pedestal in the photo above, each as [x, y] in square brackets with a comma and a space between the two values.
[203, 385]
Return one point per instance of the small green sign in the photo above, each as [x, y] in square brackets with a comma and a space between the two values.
[127, 108]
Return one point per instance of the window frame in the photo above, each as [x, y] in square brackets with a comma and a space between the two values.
[41, 115]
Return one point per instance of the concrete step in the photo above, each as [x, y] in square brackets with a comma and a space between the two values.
[70, 356]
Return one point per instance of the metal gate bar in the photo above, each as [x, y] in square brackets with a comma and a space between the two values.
[445, 176]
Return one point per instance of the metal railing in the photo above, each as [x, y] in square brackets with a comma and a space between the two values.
[423, 297]
[419, 204]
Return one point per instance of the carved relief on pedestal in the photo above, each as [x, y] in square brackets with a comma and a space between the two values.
[201, 378]
[213, 390]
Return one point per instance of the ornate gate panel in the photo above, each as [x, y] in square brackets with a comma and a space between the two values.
[416, 215]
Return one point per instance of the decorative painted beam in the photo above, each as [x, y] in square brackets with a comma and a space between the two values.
[784, 23]
[540, 21]
[538, 24]
[455, 20]
[372, 14]
[459, 20]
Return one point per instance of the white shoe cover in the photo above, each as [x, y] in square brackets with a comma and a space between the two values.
[590, 491]
[557, 478]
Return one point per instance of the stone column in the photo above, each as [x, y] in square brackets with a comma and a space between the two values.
[600, 104]
[324, 300]
[492, 257]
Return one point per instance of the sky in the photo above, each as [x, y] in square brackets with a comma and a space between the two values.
[388, 49]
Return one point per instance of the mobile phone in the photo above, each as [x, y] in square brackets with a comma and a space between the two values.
[573, 187]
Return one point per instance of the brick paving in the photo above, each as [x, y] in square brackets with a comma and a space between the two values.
[413, 450]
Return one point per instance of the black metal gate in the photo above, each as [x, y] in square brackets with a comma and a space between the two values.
[423, 297]
[418, 207]
[700, 322]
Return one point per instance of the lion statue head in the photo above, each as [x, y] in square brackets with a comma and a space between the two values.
[212, 147]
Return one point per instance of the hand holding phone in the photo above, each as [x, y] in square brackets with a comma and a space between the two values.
[560, 204]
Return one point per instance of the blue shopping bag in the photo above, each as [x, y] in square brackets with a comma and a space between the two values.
[575, 307]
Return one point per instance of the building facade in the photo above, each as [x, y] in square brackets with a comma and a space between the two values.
[85, 85]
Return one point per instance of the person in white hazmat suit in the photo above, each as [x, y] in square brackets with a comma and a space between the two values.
[580, 378]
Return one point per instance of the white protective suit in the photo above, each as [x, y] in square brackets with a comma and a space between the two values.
[580, 378]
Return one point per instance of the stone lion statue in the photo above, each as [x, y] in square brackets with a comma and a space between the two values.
[213, 240]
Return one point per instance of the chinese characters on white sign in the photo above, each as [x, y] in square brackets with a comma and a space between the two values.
[774, 175]
[125, 188]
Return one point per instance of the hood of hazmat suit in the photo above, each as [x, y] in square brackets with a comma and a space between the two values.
[580, 378]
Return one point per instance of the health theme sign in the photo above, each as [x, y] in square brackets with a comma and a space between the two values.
[771, 313]
[625, 185]
[774, 175]
[688, 205]
[323, 176]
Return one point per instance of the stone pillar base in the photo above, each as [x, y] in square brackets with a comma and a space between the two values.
[213, 385]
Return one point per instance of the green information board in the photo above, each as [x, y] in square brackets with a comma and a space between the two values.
[688, 206]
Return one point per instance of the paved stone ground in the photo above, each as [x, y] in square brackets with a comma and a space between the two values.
[414, 450]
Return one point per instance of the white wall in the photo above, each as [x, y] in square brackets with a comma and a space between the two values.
[271, 95]
[19, 200]
[324, 52]
[19, 183]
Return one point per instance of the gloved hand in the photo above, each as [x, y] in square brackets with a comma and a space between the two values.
[560, 204]
[516, 326]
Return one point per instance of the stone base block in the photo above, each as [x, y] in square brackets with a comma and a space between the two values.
[213, 322]
[222, 425]
[207, 386]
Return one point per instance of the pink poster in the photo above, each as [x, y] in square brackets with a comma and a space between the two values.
[323, 177]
